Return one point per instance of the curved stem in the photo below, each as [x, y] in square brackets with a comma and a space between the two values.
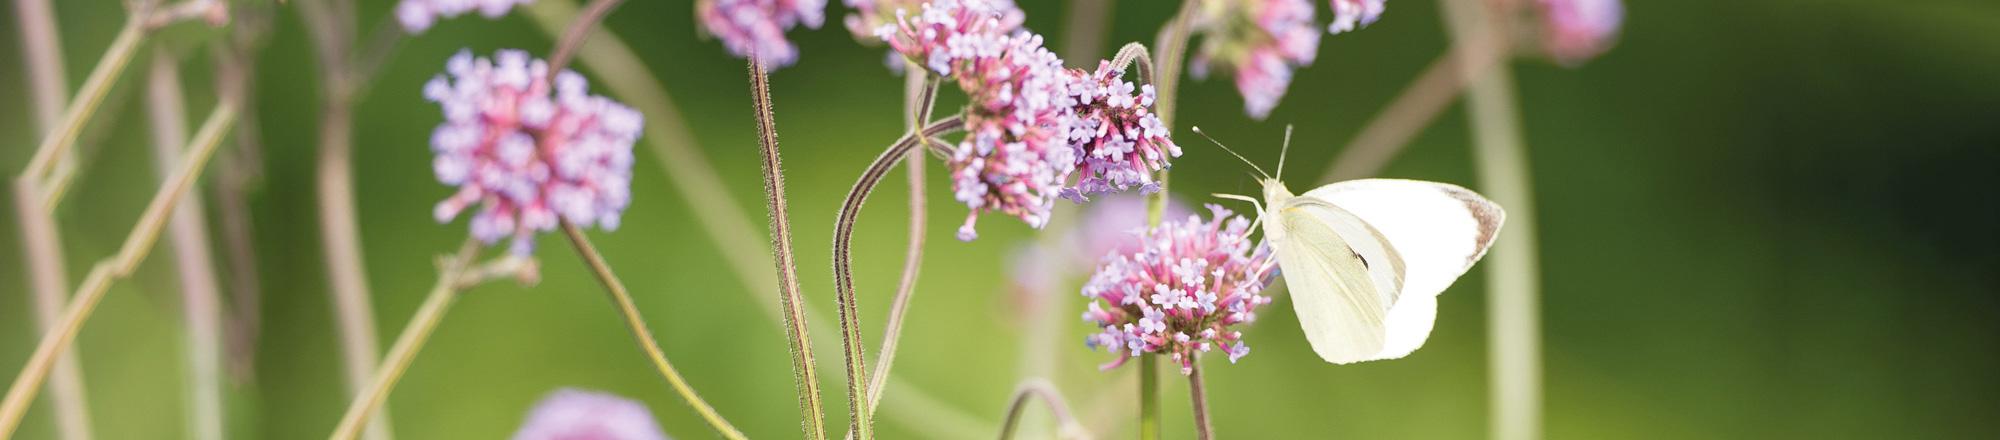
[408, 343]
[923, 95]
[804, 373]
[1203, 429]
[137, 244]
[843, 271]
[1030, 389]
[630, 312]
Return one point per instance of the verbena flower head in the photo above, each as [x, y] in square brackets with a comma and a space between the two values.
[416, 16]
[570, 414]
[1349, 15]
[758, 27]
[528, 149]
[875, 20]
[1015, 155]
[1575, 31]
[1182, 293]
[1261, 41]
[1119, 141]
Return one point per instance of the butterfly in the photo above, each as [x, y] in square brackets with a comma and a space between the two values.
[1366, 259]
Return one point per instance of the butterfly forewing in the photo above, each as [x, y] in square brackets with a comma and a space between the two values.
[1342, 274]
[1438, 230]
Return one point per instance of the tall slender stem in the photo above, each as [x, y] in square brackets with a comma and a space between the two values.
[57, 142]
[578, 31]
[630, 312]
[188, 236]
[1513, 277]
[1030, 389]
[1198, 393]
[450, 281]
[330, 25]
[137, 244]
[1172, 45]
[722, 221]
[805, 374]
[843, 270]
[47, 275]
[922, 90]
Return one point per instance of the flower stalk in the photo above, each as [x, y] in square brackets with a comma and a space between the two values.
[1171, 45]
[804, 372]
[637, 323]
[922, 97]
[1033, 388]
[415, 334]
[187, 235]
[1198, 393]
[137, 245]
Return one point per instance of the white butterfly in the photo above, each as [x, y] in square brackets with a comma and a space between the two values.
[1365, 259]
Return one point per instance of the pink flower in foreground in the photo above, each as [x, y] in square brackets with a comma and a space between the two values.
[1119, 142]
[528, 149]
[1015, 155]
[1261, 41]
[1575, 31]
[418, 15]
[1180, 295]
[1349, 15]
[758, 26]
[570, 414]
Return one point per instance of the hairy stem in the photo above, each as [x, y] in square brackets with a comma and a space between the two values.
[630, 312]
[409, 342]
[1198, 393]
[201, 303]
[1030, 389]
[1513, 278]
[843, 270]
[923, 94]
[805, 376]
[138, 243]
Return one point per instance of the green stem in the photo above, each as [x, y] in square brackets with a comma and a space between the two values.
[109, 67]
[804, 375]
[630, 312]
[1149, 397]
[408, 343]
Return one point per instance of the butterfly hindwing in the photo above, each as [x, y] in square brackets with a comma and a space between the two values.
[1342, 274]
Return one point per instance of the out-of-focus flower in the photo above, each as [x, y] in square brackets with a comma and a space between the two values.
[1261, 41]
[418, 15]
[528, 149]
[758, 27]
[1015, 155]
[1575, 31]
[1119, 142]
[1113, 224]
[570, 414]
[870, 17]
[1349, 15]
[1182, 292]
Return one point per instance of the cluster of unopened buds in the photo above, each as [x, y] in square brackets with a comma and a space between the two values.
[528, 148]
[1182, 292]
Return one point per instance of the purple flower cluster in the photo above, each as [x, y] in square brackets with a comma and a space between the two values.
[529, 149]
[758, 27]
[1030, 122]
[1262, 41]
[1574, 31]
[418, 15]
[871, 18]
[1349, 15]
[1119, 143]
[569, 414]
[1180, 295]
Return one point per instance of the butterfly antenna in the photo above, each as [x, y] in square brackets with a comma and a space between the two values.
[1260, 171]
[1284, 151]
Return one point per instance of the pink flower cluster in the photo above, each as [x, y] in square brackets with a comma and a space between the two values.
[418, 15]
[1180, 295]
[1119, 143]
[529, 149]
[758, 27]
[1281, 36]
[569, 414]
[872, 17]
[1030, 122]
[1349, 15]
[1574, 31]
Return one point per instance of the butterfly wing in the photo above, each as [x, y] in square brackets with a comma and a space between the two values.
[1439, 230]
[1342, 276]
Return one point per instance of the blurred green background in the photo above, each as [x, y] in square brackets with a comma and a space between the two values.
[1770, 218]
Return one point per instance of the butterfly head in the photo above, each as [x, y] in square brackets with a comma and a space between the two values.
[1275, 193]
